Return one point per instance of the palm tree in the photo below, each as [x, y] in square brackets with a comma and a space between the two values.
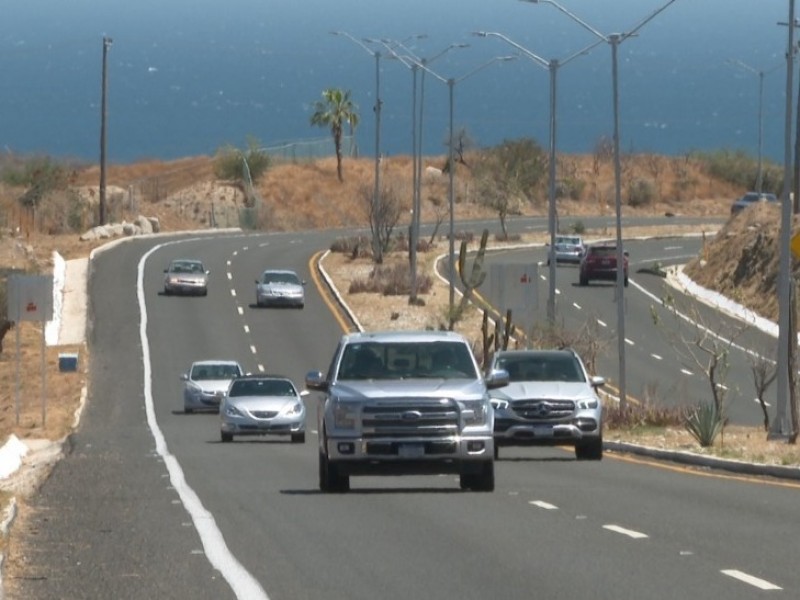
[334, 110]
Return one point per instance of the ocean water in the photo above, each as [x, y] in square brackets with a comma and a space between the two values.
[186, 77]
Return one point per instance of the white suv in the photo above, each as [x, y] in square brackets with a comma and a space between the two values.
[551, 400]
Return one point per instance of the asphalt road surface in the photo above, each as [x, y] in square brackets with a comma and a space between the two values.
[150, 504]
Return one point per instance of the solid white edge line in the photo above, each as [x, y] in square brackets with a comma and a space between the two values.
[243, 584]
[761, 584]
[637, 535]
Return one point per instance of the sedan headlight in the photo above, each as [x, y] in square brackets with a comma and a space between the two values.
[474, 412]
[232, 411]
[294, 409]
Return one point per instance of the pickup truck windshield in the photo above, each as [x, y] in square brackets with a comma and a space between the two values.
[442, 360]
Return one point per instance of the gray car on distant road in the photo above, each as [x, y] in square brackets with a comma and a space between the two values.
[567, 249]
[185, 276]
[280, 287]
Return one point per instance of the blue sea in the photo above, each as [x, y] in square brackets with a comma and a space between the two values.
[186, 77]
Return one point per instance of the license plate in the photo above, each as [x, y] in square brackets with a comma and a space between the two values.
[543, 430]
[411, 450]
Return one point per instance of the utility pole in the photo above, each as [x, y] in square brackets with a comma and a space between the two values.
[104, 89]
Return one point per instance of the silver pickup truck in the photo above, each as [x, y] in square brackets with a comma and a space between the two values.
[405, 402]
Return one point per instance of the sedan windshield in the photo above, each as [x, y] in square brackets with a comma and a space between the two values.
[262, 387]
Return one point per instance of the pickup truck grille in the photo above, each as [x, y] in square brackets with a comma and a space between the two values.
[410, 418]
[543, 410]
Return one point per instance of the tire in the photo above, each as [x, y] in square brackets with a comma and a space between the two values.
[592, 450]
[188, 410]
[625, 281]
[479, 482]
[299, 438]
[496, 452]
[225, 437]
[330, 480]
[584, 280]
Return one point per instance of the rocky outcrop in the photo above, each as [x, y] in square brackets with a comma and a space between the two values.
[141, 226]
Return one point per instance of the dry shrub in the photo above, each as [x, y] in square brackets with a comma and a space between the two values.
[390, 280]
[642, 416]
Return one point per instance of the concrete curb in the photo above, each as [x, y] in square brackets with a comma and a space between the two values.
[701, 460]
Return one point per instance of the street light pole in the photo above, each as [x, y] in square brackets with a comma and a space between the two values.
[761, 74]
[414, 62]
[451, 84]
[552, 66]
[103, 116]
[780, 426]
[614, 40]
[376, 192]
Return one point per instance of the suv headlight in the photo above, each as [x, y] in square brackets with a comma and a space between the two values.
[588, 403]
[499, 404]
[473, 412]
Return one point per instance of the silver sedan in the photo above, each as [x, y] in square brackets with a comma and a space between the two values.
[280, 287]
[185, 276]
[206, 382]
[262, 405]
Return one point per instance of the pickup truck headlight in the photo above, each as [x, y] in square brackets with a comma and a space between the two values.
[474, 412]
[344, 415]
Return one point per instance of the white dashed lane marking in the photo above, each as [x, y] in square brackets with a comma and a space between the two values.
[543, 504]
[657, 357]
[761, 584]
[636, 535]
[240, 310]
[253, 349]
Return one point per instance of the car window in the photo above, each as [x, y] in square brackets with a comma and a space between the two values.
[542, 368]
[261, 387]
[604, 251]
[281, 278]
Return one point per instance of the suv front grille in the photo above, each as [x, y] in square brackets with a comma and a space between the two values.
[543, 410]
[410, 418]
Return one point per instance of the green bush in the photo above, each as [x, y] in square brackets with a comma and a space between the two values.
[704, 422]
[570, 188]
[741, 169]
[641, 192]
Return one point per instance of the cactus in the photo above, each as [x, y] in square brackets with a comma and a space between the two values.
[476, 277]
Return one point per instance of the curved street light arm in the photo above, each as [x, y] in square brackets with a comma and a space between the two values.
[574, 17]
[357, 41]
[534, 57]
[483, 66]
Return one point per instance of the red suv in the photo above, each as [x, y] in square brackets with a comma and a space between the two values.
[600, 262]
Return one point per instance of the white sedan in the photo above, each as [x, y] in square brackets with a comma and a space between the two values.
[262, 405]
[206, 382]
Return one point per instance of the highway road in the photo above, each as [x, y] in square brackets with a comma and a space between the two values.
[149, 504]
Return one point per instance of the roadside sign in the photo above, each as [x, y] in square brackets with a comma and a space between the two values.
[795, 245]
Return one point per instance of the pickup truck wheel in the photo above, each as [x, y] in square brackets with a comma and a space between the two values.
[590, 451]
[330, 480]
[479, 482]
[496, 451]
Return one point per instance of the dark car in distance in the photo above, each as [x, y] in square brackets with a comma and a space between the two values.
[599, 262]
[749, 199]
